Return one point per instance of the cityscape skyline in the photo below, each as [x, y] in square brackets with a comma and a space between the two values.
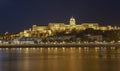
[61, 33]
[67, 22]
[71, 24]
[63, 29]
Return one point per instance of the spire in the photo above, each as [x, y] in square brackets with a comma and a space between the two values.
[72, 17]
[72, 21]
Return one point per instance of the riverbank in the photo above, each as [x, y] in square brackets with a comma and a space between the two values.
[62, 45]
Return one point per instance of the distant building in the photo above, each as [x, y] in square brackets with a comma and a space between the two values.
[95, 37]
[24, 40]
[52, 28]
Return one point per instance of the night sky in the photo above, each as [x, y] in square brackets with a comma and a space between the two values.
[17, 15]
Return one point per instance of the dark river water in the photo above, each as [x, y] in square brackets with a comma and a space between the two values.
[60, 59]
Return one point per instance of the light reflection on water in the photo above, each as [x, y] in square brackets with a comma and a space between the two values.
[60, 59]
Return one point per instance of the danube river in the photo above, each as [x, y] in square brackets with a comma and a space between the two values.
[60, 59]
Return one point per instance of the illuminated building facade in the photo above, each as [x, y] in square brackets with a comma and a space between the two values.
[52, 28]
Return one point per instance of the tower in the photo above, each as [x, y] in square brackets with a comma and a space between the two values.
[72, 21]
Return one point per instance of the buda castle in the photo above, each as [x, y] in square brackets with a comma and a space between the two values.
[52, 28]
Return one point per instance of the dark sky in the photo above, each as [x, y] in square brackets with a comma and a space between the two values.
[17, 15]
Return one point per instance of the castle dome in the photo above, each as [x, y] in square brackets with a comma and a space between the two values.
[72, 21]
